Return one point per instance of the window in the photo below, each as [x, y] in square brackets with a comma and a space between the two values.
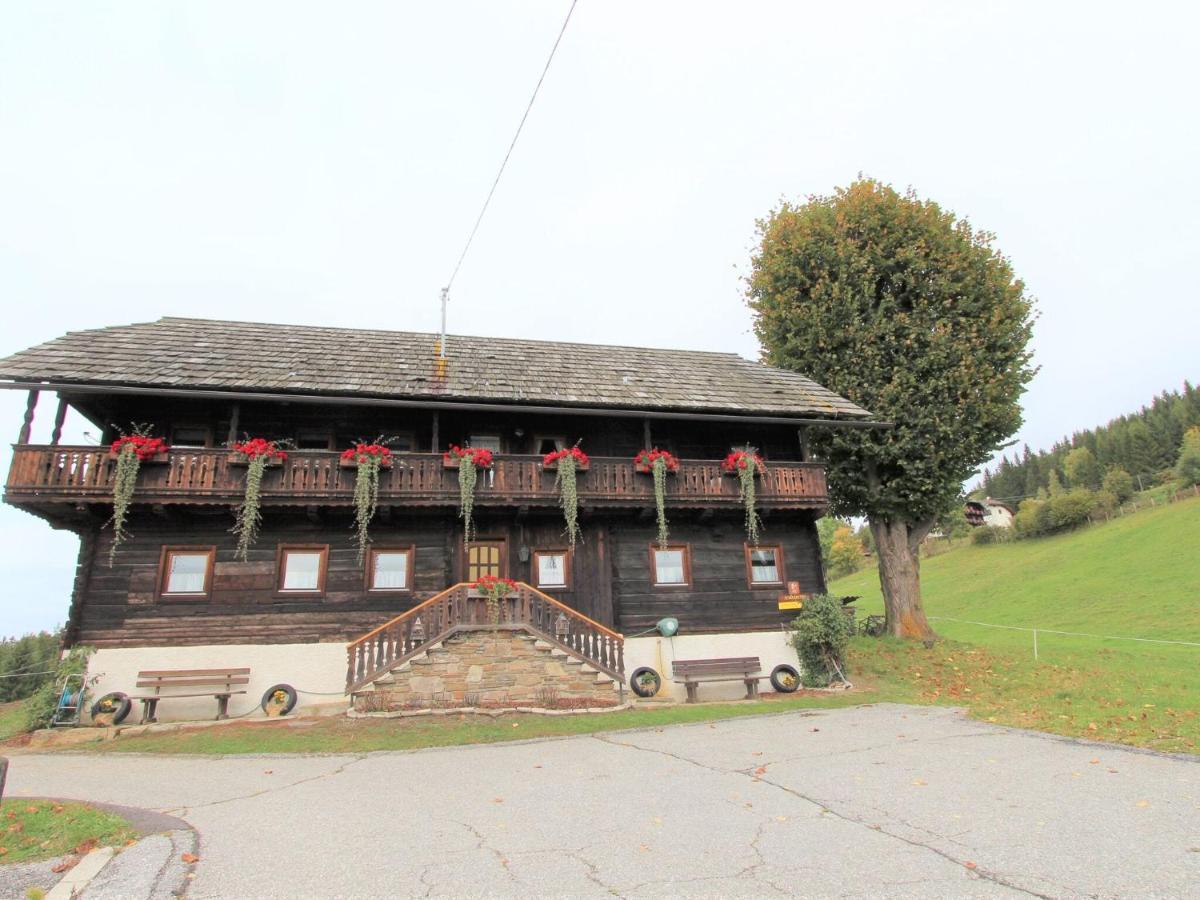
[186, 571]
[764, 565]
[671, 566]
[190, 436]
[485, 442]
[390, 569]
[302, 569]
[551, 569]
[549, 444]
[486, 558]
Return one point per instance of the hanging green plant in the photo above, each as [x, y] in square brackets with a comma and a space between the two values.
[468, 461]
[494, 589]
[130, 451]
[255, 454]
[658, 463]
[568, 463]
[747, 465]
[368, 459]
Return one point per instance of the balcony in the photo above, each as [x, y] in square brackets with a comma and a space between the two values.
[43, 478]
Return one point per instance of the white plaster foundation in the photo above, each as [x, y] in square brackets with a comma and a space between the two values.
[771, 647]
[320, 669]
[317, 668]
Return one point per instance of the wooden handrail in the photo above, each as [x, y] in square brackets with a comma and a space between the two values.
[573, 612]
[400, 639]
[407, 614]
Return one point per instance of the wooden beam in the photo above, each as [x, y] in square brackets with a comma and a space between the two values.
[60, 416]
[435, 439]
[802, 435]
[646, 438]
[235, 413]
[27, 424]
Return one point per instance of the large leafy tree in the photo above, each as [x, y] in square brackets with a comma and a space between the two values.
[908, 311]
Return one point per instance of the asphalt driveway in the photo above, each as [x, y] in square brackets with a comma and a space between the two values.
[877, 801]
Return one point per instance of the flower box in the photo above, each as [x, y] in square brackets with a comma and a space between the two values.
[741, 459]
[242, 462]
[453, 457]
[579, 466]
[162, 456]
[643, 463]
[385, 463]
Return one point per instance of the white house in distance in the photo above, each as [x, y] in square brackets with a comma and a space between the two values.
[989, 512]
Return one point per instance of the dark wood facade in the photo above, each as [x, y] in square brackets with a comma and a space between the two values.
[610, 578]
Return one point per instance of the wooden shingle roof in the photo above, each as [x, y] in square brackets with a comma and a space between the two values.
[244, 356]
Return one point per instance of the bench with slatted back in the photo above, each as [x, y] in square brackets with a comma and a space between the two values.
[691, 672]
[220, 684]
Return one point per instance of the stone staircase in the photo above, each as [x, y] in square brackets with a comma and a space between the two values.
[511, 665]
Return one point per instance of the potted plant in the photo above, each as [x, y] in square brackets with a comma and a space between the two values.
[130, 451]
[255, 454]
[276, 703]
[368, 459]
[494, 589]
[566, 463]
[660, 464]
[468, 461]
[746, 465]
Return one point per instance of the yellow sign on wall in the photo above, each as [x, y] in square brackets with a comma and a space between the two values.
[791, 601]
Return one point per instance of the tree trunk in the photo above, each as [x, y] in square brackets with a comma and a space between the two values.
[897, 544]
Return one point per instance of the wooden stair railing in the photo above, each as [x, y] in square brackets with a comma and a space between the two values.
[455, 609]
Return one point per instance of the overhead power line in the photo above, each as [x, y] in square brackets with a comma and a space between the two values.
[500, 172]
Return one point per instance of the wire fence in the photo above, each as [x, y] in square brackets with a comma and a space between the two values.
[1035, 631]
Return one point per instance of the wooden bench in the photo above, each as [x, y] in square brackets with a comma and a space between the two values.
[692, 672]
[220, 684]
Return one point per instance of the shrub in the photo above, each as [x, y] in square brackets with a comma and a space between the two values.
[1071, 509]
[820, 635]
[40, 707]
[1104, 502]
[1119, 483]
[991, 534]
[1032, 518]
[1187, 467]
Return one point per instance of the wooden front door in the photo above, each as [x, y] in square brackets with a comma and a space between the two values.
[486, 558]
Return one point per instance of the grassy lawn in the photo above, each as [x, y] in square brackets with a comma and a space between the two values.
[1137, 576]
[341, 735]
[12, 719]
[41, 829]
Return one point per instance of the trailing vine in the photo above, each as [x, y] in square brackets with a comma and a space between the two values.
[469, 461]
[747, 465]
[131, 450]
[257, 454]
[368, 459]
[659, 463]
[494, 589]
[568, 463]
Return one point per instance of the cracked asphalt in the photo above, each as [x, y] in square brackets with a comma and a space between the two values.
[874, 801]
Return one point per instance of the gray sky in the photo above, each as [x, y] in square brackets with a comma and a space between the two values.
[300, 162]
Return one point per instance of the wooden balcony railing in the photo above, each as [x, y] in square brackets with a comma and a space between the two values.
[460, 609]
[41, 474]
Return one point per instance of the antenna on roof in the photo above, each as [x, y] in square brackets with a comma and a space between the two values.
[442, 342]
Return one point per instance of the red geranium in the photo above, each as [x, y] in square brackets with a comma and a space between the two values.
[581, 458]
[489, 584]
[480, 456]
[256, 447]
[647, 458]
[742, 459]
[145, 447]
[360, 453]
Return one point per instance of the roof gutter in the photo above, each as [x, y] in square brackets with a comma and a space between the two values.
[614, 412]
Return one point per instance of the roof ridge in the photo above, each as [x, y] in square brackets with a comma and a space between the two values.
[432, 334]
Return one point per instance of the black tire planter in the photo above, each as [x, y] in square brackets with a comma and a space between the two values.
[785, 678]
[641, 689]
[120, 712]
[291, 698]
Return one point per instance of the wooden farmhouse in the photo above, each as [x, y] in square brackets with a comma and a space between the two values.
[403, 624]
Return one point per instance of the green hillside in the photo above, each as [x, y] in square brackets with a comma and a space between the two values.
[1137, 576]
